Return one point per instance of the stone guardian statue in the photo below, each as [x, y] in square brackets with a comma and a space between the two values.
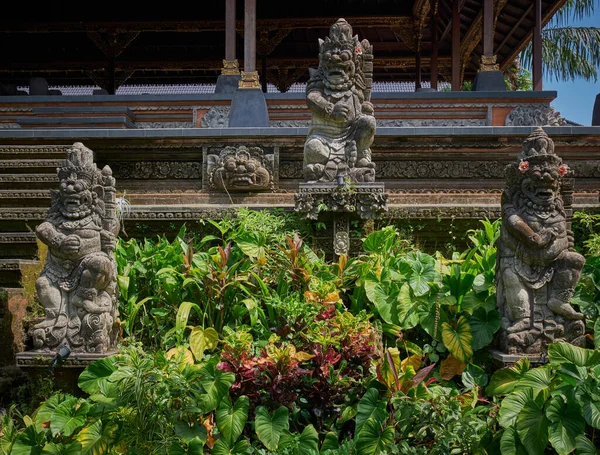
[77, 286]
[537, 267]
[339, 96]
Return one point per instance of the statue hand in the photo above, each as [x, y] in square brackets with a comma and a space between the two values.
[367, 108]
[340, 111]
[541, 239]
[70, 244]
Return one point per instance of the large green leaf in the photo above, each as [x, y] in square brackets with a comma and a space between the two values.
[483, 326]
[187, 432]
[378, 296]
[420, 271]
[216, 383]
[510, 443]
[370, 407]
[306, 443]
[379, 241]
[538, 379]
[68, 416]
[585, 446]
[532, 427]
[221, 448]
[203, 340]
[95, 373]
[44, 413]
[459, 341]
[566, 423]
[231, 419]
[252, 244]
[512, 405]
[559, 353]
[407, 308]
[29, 442]
[504, 380]
[73, 448]
[96, 438]
[269, 429]
[196, 446]
[591, 412]
[331, 442]
[374, 439]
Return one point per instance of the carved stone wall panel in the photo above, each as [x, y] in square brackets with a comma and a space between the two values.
[147, 125]
[240, 168]
[432, 122]
[216, 117]
[429, 169]
[534, 115]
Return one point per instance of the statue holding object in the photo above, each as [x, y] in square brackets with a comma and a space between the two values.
[537, 267]
[339, 96]
[77, 286]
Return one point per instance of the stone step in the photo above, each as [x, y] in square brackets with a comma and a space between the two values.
[29, 166]
[20, 152]
[20, 245]
[10, 272]
[28, 181]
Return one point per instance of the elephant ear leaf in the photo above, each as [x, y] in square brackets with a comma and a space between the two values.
[368, 407]
[373, 439]
[68, 416]
[269, 429]
[504, 381]
[231, 419]
[459, 340]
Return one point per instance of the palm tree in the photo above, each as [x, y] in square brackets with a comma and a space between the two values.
[568, 52]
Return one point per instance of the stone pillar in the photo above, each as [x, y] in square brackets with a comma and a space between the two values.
[455, 46]
[596, 112]
[434, 50]
[489, 78]
[229, 78]
[249, 107]
[537, 45]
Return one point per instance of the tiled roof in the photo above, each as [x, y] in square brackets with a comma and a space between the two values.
[378, 87]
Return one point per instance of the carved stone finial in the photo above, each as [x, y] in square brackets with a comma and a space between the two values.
[77, 286]
[537, 267]
[339, 96]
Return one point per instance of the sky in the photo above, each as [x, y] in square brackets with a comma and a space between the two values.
[575, 100]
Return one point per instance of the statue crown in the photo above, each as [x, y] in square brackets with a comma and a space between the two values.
[79, 161]
[538, 147]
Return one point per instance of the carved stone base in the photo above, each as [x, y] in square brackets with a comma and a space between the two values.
[43, 359]
[489, 81]
[503, 360]
[367, 200]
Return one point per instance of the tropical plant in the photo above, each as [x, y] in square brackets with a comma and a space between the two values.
[568, 52]
[556, 404]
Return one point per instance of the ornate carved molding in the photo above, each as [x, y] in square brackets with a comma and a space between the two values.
[230, 68]
[5, 164]
[155, 125]
[157, 170]
[249, 80]
[27, 149]
[432, 122]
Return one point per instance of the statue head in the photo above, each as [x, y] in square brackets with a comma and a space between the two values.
[240, 169]
[340, 56]
[78, 177]
[540, 170]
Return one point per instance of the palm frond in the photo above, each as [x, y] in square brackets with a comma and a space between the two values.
[568, 53]
[574, 10]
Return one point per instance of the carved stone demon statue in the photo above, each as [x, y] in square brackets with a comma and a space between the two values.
[77, 286]
[537, 268]
[338, 94]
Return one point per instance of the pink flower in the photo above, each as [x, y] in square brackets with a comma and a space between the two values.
[524, 166]
[358, 50]
[563, 169]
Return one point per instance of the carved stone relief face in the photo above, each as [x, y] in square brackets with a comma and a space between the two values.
[76, 198]
[541, 183]
[338, 65]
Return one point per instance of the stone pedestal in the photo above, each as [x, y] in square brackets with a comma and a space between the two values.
[65, 372]
[344, 201]
[227, 83]
[503, 360]
[489, 81]
[248, 108]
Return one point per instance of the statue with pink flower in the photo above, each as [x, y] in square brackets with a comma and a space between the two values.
[537, 267]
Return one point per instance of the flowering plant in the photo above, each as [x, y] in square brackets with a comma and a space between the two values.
[359, 50]
[524, 166]
[563, 169]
